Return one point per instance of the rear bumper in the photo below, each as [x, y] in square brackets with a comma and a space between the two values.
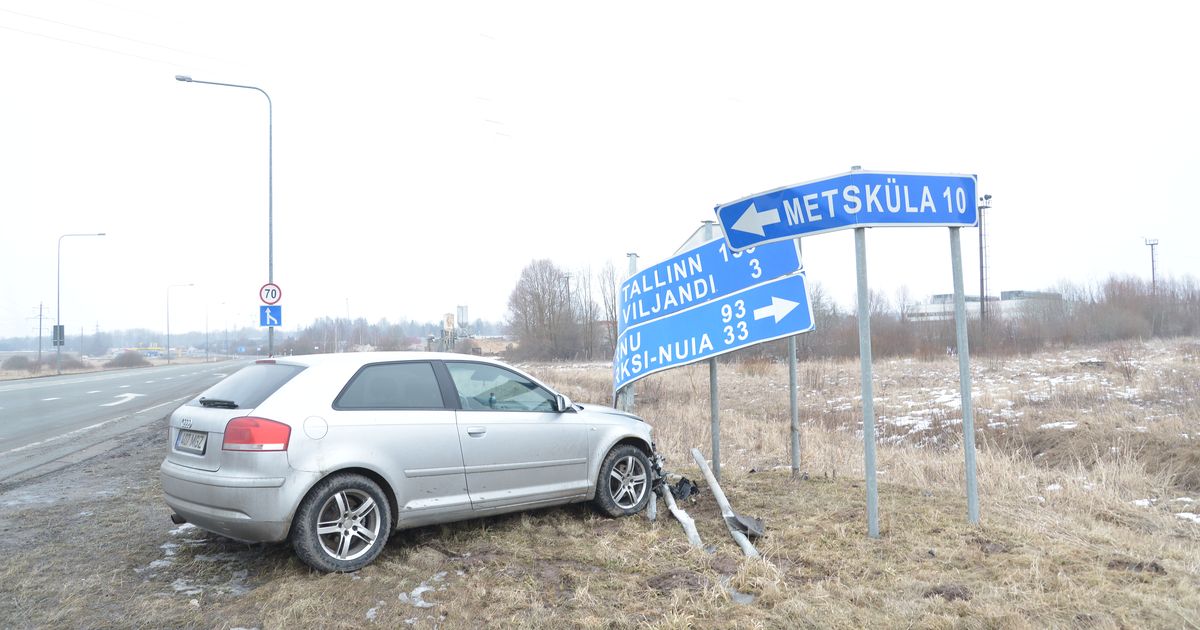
[250, 509]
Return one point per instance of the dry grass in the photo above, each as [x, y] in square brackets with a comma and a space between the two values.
[1061, 544]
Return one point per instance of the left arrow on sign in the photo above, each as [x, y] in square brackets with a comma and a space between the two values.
[752, 220]
[121, 398]
[779, 308]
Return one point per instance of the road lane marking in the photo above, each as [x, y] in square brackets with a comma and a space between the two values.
[87, 428]
[62, 436]
[94, 391]
[52, 398]
[123, 387]
[162, 404]
[124, 398]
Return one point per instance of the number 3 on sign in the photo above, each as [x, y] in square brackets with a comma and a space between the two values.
[270, 293]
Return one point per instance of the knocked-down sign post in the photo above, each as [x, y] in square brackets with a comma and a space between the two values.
[704, 302]
[858, 200]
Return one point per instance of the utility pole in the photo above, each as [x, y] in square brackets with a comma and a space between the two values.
[1153, 244]
[985, 203]
[39, 318]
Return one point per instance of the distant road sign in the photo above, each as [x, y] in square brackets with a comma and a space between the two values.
[699, 275]
[59, 335]
[270, 315]
[849, 200]
[764, 312]
[270, 293]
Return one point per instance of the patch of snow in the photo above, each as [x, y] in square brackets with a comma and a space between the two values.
[1145, 503]
[1183, 500]
[414, 597]
[187, 588]
[1054, 487]
[169, 549]
[373, 612]
[154, 566]
[1189, 516]
[182, 528]
[1065, 425]
[1036, 498]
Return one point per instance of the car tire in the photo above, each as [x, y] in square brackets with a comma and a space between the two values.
[625, 482]
[342, 525]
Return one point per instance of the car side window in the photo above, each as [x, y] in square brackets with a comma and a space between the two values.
[392, 386]
[482, 386]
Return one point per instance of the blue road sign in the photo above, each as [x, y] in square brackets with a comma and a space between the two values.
[699, 275]
[849, 200]
[771, 310]
[270, 315]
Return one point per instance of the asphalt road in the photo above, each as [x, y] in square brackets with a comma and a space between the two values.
[61, 418]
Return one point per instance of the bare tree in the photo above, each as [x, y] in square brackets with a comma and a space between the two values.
[540, 312]
[609, 293]
[588, 311]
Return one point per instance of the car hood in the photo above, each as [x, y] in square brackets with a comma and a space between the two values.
[607, 411]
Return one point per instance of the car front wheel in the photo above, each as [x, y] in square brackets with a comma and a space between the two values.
[342, 525]
[625, 481]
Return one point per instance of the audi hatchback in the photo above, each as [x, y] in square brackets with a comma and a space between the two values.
[335, 452]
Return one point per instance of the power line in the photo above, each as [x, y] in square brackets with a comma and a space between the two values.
[107, 34]
[70, 41]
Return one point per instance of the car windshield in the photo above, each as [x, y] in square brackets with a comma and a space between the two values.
[248, 387]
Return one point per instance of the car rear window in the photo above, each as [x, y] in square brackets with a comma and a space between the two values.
[249, 386]
[392, 386]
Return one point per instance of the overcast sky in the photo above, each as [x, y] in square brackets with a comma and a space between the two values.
[424, 153]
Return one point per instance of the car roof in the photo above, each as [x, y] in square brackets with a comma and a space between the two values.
[343, 359]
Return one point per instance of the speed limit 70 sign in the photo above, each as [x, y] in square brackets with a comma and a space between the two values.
[270, 293]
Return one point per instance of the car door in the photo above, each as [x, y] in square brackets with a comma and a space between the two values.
[516, 449]
[394, 416]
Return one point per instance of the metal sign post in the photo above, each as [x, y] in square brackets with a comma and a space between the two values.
[625, 396]
[714, 405]
[795, 408]
[715, 411]
[792, 393]
[964, 376]
[864, 351]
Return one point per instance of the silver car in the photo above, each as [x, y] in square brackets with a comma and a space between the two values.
[336, 451]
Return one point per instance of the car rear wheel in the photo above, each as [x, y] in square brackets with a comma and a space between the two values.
[625, 482]
[342, 525]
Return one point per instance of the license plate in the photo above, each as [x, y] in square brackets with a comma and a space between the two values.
[191, 441]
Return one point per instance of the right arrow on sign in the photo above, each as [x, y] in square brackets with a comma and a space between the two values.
[752, 220]
[778, 309]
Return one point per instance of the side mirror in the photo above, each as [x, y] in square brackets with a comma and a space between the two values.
[562, 404]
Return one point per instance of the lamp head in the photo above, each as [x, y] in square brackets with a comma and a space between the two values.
[183, 77]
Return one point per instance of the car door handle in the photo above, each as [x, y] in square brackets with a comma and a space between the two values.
[476, 431]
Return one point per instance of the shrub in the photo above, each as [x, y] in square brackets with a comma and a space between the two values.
[16, 362]
[71, 363]
[128, 359]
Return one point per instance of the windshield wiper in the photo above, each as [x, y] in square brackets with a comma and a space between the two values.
[217, 402]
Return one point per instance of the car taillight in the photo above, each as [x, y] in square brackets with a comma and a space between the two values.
[256, 434]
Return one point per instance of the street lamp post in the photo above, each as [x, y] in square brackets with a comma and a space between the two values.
[169, 317]
[270, 188]
[58, 303]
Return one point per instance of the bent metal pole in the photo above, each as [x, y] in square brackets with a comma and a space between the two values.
[964, 374]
